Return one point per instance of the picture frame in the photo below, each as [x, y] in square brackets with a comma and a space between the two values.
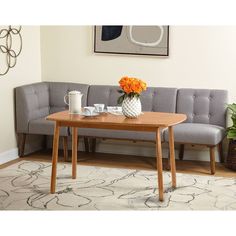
[132, 40]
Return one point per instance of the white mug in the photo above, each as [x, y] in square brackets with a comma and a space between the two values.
[75, 99]
[88, 111]
[99, 107]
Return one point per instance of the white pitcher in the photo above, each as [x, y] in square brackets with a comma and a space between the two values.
[75, 100]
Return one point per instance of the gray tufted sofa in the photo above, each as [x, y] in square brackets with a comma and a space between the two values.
[206, 120]
[153, 99]
[205, 110]
[36, 101]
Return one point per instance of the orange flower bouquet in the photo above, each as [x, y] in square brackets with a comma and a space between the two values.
[131, 87]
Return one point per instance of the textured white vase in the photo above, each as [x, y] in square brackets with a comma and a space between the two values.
[131, 107]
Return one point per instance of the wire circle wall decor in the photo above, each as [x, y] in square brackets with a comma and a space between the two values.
[6, 47]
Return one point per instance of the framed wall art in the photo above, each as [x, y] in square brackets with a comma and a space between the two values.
[10, 47]
[137, 40]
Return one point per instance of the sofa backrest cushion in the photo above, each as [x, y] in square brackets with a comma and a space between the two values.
[104, 94]
[203, 105]
[153, 99]
[32, 102]
[57, 91]
[159, 99]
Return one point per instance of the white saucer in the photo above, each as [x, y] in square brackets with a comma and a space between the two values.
[89, 115]
[104, 111]
[114, 109]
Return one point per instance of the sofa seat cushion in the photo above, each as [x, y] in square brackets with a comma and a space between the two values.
[197, 133]
[45, 127]
[119, 134]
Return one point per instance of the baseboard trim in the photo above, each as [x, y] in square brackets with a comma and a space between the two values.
[197, 153]
[9, 155]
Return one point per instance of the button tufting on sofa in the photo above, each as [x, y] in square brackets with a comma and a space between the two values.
[35, 101]
[205, 110]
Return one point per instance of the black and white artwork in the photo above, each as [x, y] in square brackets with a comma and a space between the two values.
[10, 47]
[140, 40]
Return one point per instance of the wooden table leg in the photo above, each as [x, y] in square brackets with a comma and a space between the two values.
[74, 151]
[172, 156]
[55, 157]
[159, 164]
[65, 148]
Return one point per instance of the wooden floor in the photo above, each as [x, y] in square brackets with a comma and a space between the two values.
[131, 162]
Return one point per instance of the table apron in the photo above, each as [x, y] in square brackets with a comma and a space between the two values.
[110, 126]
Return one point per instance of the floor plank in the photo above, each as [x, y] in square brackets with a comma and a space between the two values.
[131, 162]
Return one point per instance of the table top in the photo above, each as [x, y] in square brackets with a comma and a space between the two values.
[148, 121]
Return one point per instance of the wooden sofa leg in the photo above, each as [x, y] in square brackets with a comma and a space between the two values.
[168, 161]
[221, 154]
[22, 145]
[65, 148]
[86, 144]
[45, 142]
[181, 152]
[212, 160]
[93, 145]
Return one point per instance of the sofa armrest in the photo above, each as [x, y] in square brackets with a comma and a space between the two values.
[32, 102]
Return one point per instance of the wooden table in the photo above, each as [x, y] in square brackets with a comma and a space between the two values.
[149, 121]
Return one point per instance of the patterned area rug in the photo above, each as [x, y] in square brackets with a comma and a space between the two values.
[25, 186]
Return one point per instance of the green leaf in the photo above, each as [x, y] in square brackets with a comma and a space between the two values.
[232, 107]
[120, 91]
[234, 121]
[231, 133]
[120, 99]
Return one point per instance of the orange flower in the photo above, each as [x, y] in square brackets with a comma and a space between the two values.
[127, 89]
[136, 88]
[132, 85]
[124, 81]
[143, 85]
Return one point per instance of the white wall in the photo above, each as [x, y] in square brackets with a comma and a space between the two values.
[200, 56]
[26, 71]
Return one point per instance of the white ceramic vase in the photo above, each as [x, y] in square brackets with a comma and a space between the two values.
[131, 107]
